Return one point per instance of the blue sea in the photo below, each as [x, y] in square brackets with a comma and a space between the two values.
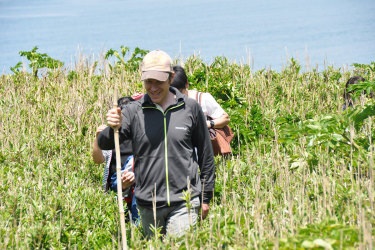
[263, 34]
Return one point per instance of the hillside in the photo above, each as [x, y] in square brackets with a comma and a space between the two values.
[301, 176]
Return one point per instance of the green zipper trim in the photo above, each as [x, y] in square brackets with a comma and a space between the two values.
[166, 158]
[166, 147]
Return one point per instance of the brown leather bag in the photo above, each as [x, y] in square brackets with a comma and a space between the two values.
[220, 137]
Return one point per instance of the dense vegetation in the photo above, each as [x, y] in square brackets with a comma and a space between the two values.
[301, 176]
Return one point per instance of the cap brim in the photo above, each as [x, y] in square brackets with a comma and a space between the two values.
[153, 74]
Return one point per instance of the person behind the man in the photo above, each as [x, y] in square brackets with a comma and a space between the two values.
[348, 100]
[109, 158]
[210, 107]
[165, 126]
[348, 95]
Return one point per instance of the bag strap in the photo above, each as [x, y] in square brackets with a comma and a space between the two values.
[133, 164]
[198, 97]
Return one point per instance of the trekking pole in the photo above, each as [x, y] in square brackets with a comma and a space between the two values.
[119, 182]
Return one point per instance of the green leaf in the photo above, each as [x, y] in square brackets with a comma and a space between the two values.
[314, 127]
[322, 243]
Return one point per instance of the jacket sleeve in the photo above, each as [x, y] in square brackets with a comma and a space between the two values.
[106, 139]
[201, 140]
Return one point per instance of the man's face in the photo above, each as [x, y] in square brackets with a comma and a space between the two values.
[157, 90]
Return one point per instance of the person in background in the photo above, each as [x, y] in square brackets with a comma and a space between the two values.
[109, 158]
[210, 107]
[165, 127]
[348, 94]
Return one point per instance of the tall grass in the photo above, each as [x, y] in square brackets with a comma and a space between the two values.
[271, 194]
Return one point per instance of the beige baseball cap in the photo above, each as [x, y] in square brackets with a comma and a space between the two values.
[156, 65]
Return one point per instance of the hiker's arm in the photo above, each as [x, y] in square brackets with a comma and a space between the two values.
[220, 122]
[97, 154]
[215, 111]
[201, 140]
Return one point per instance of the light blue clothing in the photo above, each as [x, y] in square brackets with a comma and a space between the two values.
[127, 193]
[128, 165]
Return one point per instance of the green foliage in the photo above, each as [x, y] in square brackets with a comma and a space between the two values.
[293, 68]
[366, 70]
[328, 131]
[362, 89]
[224, 80]
[37, 61]
[259, 126]
[131, 64]
[359, 115]
[16, 68]
[326, 235]
[331, 74]
[339, 134]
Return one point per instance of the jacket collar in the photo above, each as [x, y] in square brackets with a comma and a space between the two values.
[180, 98]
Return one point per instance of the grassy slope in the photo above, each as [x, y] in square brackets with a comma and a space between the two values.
[271, 194]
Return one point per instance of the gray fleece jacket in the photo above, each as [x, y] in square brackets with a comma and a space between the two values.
[163, 148]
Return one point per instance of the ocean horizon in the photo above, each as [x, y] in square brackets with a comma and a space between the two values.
[260, 34]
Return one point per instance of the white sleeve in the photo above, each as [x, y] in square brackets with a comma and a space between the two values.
[210, 106]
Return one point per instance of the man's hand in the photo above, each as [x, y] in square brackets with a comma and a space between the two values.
[205, 210]
[127, 179]
[114, 118]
